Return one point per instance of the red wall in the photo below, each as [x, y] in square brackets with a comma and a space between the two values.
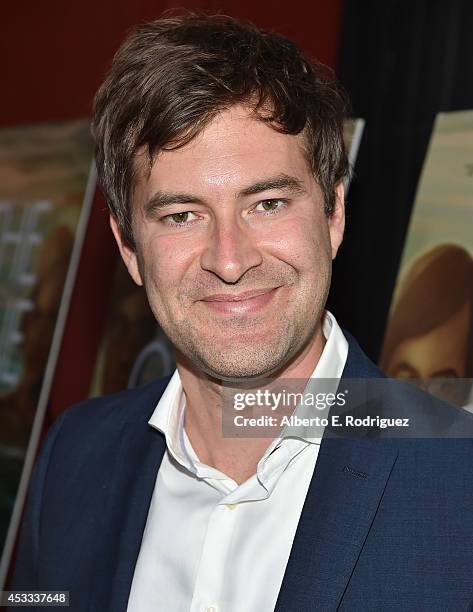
[54, 56]
[55, 53]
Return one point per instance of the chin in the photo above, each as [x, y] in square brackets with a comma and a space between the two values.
[242, 364]
[242, 355]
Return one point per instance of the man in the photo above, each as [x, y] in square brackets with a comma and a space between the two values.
[220, 152]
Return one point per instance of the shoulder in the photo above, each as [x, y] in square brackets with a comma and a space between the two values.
[87, 437]
[116, 409]
[76, 465]
[94, 426]
[438, 433]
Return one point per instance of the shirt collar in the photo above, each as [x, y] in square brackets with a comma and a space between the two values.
[168, 416]
[325, 378]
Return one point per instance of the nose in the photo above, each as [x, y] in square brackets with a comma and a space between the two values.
[230, 252]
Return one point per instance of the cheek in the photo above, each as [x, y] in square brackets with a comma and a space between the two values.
[303, 243]
[167, 260]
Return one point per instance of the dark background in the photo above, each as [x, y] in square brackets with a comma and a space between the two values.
[400, 61]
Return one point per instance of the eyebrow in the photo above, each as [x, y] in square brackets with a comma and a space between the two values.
[289, 184]
[162, 199]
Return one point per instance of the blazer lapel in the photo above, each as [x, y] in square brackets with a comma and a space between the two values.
[341, 503]
[124, 517]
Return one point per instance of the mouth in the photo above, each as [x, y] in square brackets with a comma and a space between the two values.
[240, 303]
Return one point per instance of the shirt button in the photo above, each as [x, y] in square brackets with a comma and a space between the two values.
[211, 609]
[230, 507]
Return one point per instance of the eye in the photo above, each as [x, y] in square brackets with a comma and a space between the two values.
[270, 206]
[181, 218]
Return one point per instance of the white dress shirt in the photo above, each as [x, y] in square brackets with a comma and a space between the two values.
[211, 545]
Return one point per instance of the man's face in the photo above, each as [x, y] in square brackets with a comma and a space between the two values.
[233, 246]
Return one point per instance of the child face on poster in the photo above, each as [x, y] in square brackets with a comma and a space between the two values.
[429, 335]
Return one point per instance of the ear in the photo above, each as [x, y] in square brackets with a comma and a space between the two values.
[336, 221]
[127, 252]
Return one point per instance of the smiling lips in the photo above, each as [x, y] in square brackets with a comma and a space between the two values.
[241, 303]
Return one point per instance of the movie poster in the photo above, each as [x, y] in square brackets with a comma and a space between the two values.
[134, 349]
[429, 333]
[46, 187]
[352, 135]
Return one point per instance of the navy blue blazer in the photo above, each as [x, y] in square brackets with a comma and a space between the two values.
[387, 524]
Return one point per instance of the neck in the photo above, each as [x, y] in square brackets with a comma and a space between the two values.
[236, 457]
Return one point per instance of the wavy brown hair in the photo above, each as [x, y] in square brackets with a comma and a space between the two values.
[172, 76]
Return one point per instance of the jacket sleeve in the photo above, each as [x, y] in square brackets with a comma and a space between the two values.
[25, 573]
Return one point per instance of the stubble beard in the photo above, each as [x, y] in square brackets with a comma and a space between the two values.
[214, 353]
[231, 349]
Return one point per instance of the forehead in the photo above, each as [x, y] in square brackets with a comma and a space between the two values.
[233, 150]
